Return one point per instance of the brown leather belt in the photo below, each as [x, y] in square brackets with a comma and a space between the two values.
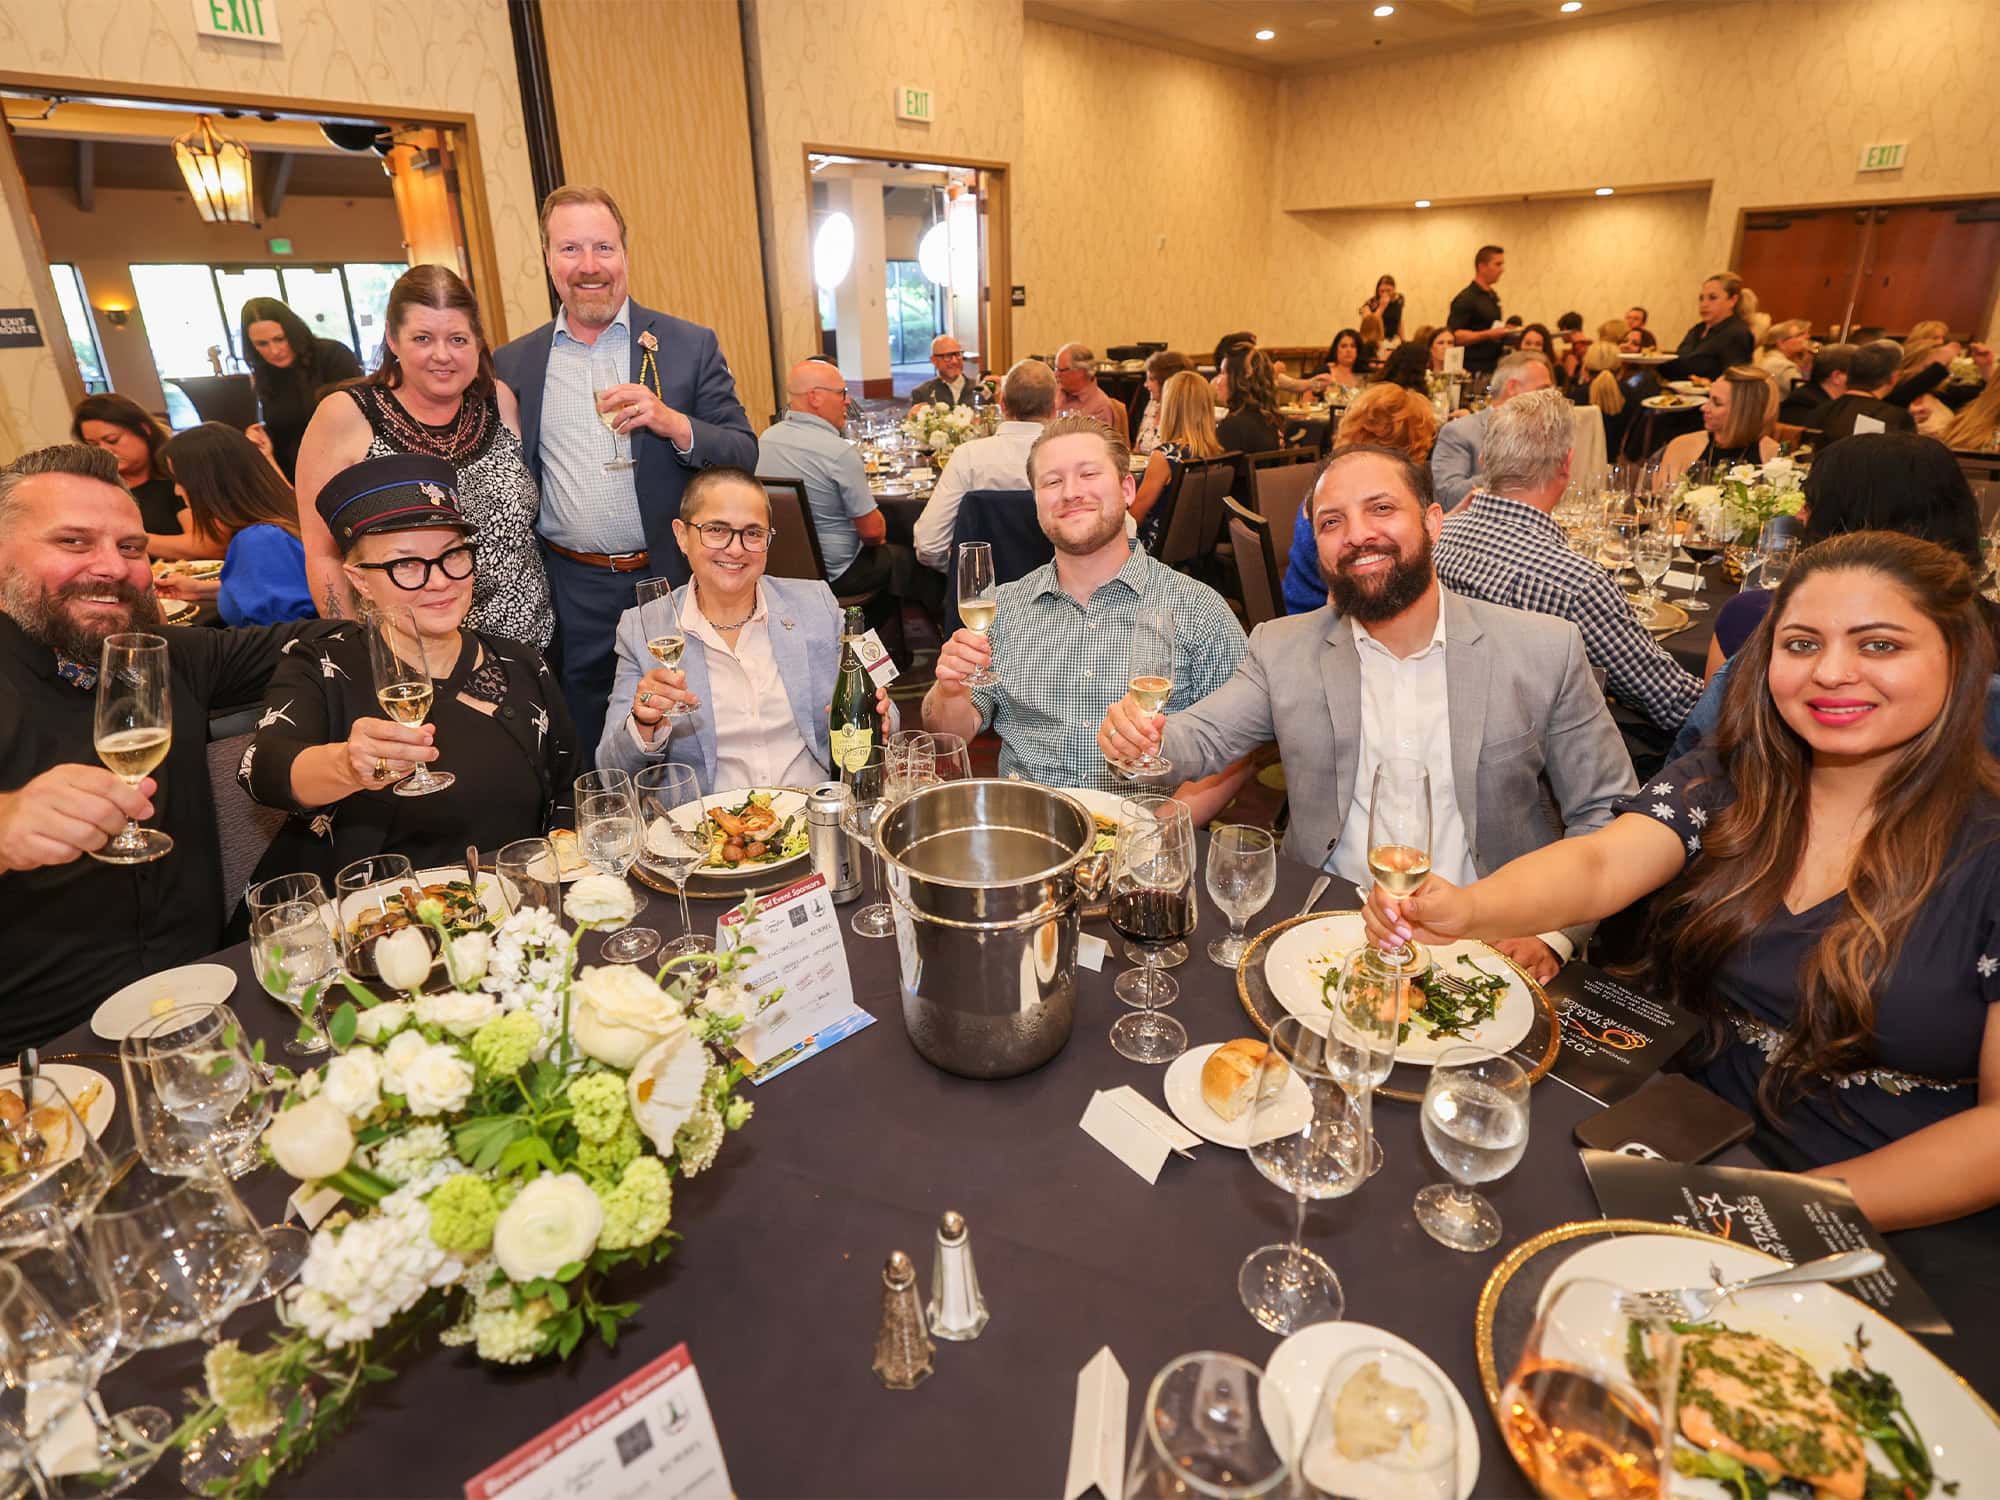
[617, 562]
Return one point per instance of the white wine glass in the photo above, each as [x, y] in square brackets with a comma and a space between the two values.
[670, 813]
[608, 833]
[1412, 1453]
[1367, 1009]
[1652, 557]
[134, 732]
[1399, 838]
[666, 640]
[976, 599]
[606, 371]
[1152, 897]
[1150, 676]
[1475, 1117]
[866, 777]
[404, 687]
[1242, 875]
[595, 783]
[1205, 1431]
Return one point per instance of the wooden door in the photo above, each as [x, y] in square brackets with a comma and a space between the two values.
[1931, 261]
[1801, 265]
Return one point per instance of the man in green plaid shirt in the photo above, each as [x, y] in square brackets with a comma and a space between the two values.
[1062, 636]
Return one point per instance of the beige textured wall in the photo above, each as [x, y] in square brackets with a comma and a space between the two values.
[441, 54]
[672, 143]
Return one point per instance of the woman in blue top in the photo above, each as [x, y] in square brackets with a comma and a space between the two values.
[233, 493]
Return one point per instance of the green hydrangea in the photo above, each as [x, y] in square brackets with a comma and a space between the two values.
[504, 1044]
[636, 1211]
[597, 1106]
[606, 1159]
[463, 1208]
[233, 1379]
[511, 1335]
[736, 1113]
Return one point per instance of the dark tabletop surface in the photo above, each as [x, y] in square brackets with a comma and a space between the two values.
[856, 1153]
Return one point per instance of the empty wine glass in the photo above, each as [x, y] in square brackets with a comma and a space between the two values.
[909, 762]
[1152, 905]
[404, 686]
[363, 892]
[52, 1163]
[866, 778]
[606, 372]
[1286, 1287]
[607, 831]
[1242, 874]
[1367, 1009]
[1412, 1453]
[670, 812]
[1150, 676]
[666, 640]
[1399, 838]
[976, 599]
[951, 760]
[134, 731]
[530, 876]
[1652, 556]
[296, 954]
[1203, 1432]
[44, 1380]
[1776, 548]
[1475, 1117]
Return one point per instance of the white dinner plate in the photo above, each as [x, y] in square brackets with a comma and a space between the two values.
[1655, 358]
[192, 984]
[1183, 1086]
[1299, 959]
[1819, 1323]
[893, 491]
[85, 1087]
[1689, 388]
[490, 897]
[786, 802]
[173, 610]
[1299, 1366]
[1670, 403]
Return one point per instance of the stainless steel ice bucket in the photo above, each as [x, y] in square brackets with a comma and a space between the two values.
[983, 879]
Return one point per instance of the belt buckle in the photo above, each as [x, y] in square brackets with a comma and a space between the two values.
[615, 559]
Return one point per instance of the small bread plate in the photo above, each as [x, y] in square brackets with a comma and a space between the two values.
[1670, 403]
[1655, 358]
[192, 984]
[175, 611]
[786, 803]
[1299, 960]
[89, 1092]
[1183, 1085]
[1298, 1368]
[1105, 807]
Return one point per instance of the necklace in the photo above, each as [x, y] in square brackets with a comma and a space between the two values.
[733, 624]
[454, 441]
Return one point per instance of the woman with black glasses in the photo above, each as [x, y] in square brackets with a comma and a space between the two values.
[326, 751]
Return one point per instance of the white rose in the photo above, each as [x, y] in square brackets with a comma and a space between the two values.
[600, 901]
[665, 1086]
[352, 1083]
[553, 1222]
[310, 1140]
[1742, 474]
[467, 956]
[460, 1012]
[404, 1048]
[1779, 470]
[728, 997]
[403, 958]
[436, 1081]
[617, 1012]
[378, 1021]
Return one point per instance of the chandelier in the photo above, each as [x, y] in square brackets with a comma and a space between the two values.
[217, 171]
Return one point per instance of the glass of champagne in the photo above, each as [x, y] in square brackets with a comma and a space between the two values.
[660, 619]
[1203, 1431]
[530, 876]
[1399, 838]
[1242, 874]
[1590, 1410]
[606, 371]
[298, 959]
[1152, 905]
[1652, 556]
[404, 687]
[1475, 1117]
[866, 778]
[134, 732]
[976, 596]
[607, 831]
[1151, 678]
[672, 845]
[1422, 1462]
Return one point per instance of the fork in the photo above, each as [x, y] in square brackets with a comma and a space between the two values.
[1693, 1304]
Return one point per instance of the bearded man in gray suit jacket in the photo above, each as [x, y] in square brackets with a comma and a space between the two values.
[1498, 705]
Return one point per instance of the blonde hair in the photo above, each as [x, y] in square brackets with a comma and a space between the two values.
[1777, 333]
[1187, 414]
[1916, 354]
[1611, 329]
[1753, 406]
[1732, 286]
[1931, 328]
[1971, 431]
[1601, 361]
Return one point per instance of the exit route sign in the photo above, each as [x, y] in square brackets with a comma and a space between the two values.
[1883, 158]
[913, 103]
[238, 20]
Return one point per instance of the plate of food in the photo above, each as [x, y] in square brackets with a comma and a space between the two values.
[1669, 403]
[1298, 1368]
[191, 984]
[1471, 994]
[1839, 1398]
[750, 832]
[173, 611]
[1654, 357]
[200, 567]
[1215, 1091]
[89, 1092]
[1107, 810]
[1697, 387]
[571, 862]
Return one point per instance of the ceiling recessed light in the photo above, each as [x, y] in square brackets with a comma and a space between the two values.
[1570, 7]
[1266, 34]
[1604, 192]
[1423, 203]
[1384, 10]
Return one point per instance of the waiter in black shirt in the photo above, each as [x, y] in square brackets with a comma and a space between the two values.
[1475, 320]
[73, 571]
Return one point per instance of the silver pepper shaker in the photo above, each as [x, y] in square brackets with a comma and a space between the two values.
[957, 1309]
[902, 1351]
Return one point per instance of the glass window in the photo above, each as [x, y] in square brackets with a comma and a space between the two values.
[318, 294]
[368, 284]
[82, 328]
[183, 318]
[914, 319]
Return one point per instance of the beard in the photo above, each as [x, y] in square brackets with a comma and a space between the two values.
[1371, 599]
[595, 305]
[1100, 534]
[44, 615]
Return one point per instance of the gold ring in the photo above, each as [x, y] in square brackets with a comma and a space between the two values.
[381, 769]
[645, 698]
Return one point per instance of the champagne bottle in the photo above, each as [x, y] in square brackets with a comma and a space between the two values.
[855, 728]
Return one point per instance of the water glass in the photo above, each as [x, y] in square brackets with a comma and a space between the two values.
[1475, 1118]
[182, 1250]
[297, 957]
[1418, 1413]
[1242, 874]
[1652, 556]
[194, 1091]
[1772, 559]
[530, 876]
[1202, 1433]
[672, 846]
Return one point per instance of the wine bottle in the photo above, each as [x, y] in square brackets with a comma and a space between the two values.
[854, 727]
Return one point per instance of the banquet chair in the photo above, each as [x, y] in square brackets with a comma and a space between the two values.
[1257, 573]
[1281, 484]
[1195, 522]
[795, 551]
[1006, 521]
[245, 828]
[229, 399]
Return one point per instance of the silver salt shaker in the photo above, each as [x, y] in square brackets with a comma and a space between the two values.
[832, 851]
[957, 1310]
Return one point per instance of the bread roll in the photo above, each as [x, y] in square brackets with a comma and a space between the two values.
[1229, 1079]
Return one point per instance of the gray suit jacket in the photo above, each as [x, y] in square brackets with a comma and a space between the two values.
[1455, 458]
[1534, 753]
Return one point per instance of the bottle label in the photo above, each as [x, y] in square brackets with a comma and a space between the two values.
[851, 747]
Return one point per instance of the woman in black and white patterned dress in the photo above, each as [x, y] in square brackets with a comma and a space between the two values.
[436, 394]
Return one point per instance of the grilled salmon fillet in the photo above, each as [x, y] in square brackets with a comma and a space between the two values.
[1752, 1398]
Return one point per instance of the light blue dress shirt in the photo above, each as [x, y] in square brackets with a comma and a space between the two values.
[585, 506]
[806, 447]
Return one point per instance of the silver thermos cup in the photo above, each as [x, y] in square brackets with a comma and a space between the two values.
[833, 854]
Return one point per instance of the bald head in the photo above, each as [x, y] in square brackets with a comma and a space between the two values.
[815, 387]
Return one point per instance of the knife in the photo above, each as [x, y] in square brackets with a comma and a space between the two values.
[1319, 886]
[472, 870]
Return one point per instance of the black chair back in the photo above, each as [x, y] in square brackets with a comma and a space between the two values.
[1194, 524]
[1123, 352]
[1982, 472]
[1005, 520]
[1256, 566]
[1281, 484]
[230, 399]
[795, 549]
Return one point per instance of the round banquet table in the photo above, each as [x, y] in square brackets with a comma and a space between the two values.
[855, 1153]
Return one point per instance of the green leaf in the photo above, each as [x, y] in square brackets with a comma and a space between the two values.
[359, 992]
[527, 1151]
[344, 1023]
[257, 1051]
[219, 1067]
[558, 1299]
[570, 1272]
[306, 1036]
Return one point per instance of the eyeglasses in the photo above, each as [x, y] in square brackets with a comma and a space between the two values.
[413, 573]
[829, 390]
[717, 535]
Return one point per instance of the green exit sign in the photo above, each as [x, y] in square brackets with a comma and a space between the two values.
[913, 103]
[1883, 158]
[279, 246]
[238, 20]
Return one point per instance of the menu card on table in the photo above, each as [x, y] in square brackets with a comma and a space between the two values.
[1613, 1038]
[650, 1435]
[1782, 1213]
[800, 958]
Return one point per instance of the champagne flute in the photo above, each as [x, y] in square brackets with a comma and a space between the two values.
[1242, 874]
[404, 687]
[1151, 678]
[866, 779]
[1475, 1117]
[134, 732]
[1152, 905]
[1422, 1462]
[660, 620]
[1399, 839]
[607, 831]
[530, 876]
[1590, 1411]
[976, 599]
[606, 371]
[1204, 1431]
[670, 813]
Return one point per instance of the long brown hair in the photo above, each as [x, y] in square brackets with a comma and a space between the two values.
[1753, 406]
[122, 411]
[229, 484]
[435, 287]
[1972, 429]
[1751, 849]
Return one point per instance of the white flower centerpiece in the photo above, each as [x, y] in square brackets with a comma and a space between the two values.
[1748, 495]
[939, 427]
[502, 1143]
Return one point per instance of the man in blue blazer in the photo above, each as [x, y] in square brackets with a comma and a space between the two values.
[608, 509]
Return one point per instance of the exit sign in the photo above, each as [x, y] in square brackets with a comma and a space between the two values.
[913, 103]
[1883, 158]
[238, 20]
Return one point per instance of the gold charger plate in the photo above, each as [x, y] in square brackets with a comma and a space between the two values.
[734, 888]
[1667, 618]
[1264, 1008]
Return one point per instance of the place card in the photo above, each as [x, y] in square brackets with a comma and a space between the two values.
[1693, 582]
[1454, 360]
[875, 659]
[312, 1207]
[1613, 1037]
[1135, 1130]
[1091, 951]
[801, 965]
[651, 1434]
[1097, 1436]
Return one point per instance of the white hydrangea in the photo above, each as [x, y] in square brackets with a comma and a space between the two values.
[529, 961]
[357, 1279]
[415, 1154]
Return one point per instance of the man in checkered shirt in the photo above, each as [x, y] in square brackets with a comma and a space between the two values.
[1062, 636]
[1503, 547]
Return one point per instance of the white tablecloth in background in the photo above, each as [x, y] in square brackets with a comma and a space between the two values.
[1587, 422]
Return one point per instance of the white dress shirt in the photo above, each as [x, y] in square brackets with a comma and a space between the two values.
[585, 506]
[999, 462]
